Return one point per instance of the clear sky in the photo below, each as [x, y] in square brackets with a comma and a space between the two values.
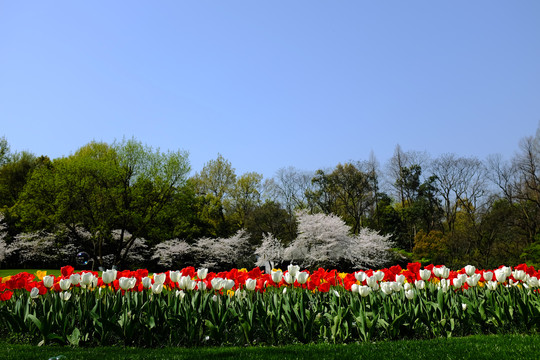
[271, 84]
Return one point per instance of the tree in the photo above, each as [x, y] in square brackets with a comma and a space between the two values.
[14, 174]
[346, 192]
[224, 253]
[246, 196]
[124, 186]
[325, 241]
[4, 150]
[270, 252]
[270, 218]
[215, 184]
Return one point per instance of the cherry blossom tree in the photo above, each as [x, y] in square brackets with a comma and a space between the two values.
[326, 241]
[170, 253]
[269, 252]
[3, 233]
[220, 253]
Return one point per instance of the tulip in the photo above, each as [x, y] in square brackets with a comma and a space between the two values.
[364, 290]
[409, 294]
[229, 284]
[202, 273]
[519, 275]
[379, 275]
[372, 282]
[407, 286]
[400, 278]
[289, 279]
[491, 285]
[463, 306]
[473, 280]
[157, 288]
[444, 285]
[75, 279]
[65, 284]
[354, 288]
[360, 276]
[66, 295]
[180, 294]
[420, 284]
[184, 282]
[500, 275]
[251, 284]
[218, 283]
[425, 274]
[87, 278]
[48, 281]
[174, 275]
[470, 270]
[445, 272]
[146, 282]
[160, 278]
[387, 288]
[458, 282]
[108, 276]
[396, 287]
[124, 283]
[302, 277]
[336, 293]
[532, 281]
[488, 275]
[201, 285]
[284, 290]
[34, 293]
[276, 276]
[293, 269]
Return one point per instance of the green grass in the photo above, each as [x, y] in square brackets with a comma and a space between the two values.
[474, 347]
[9, 272]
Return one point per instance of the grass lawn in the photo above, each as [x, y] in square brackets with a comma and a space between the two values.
[9, 272]
[475, 347]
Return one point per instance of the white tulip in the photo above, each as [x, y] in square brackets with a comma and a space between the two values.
[364, 290]
[160, 278]
[420, 284]
[302, 277]
[65, 295]
[146, 282]
[425, 274]
[34, 293]
[251, 284]
[354, 288]
[293, 269]
[488, 275]
[157, 288]
[470, 270]
[276, 276]
[202, 273]
[289, 279]
[409, 294]
[360, 276]
[174, 275]
[108, 276]
[87, 278]
[75, 279]
[65, 284]
[48, 281]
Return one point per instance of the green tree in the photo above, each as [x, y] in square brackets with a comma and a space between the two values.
[346, 192]
[123, 187]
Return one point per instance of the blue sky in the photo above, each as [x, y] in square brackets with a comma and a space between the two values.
[271, 84]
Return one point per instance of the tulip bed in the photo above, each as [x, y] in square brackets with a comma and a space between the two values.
[192, 307]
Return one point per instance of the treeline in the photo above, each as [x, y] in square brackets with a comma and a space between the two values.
[114, 200]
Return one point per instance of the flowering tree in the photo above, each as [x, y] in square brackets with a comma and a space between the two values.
[170, 253]
[325, 241]
[39, 248]
[269, 252]
[3, 234]
[224, 252]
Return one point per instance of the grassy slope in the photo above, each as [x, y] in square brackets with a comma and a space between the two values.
[474, 347]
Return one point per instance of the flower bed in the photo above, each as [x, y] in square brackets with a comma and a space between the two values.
[192, 307]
